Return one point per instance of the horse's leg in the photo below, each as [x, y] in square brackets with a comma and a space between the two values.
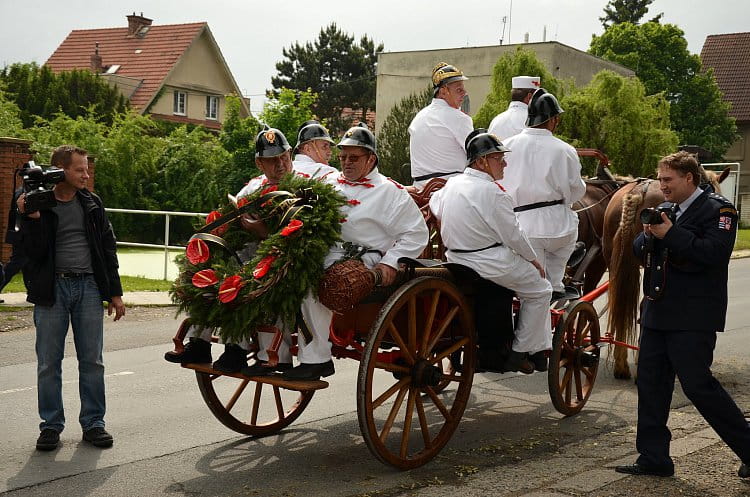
[622, 370]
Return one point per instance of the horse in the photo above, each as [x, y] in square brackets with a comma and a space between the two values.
[621, 225]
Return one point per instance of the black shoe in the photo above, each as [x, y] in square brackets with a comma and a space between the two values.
[98, 437]
[539, 360]
[232, 360]
[261, 368]
[641, 470]
[744, 471]
[48, 439]
[310, 371]
[517, 361]
[196, 350]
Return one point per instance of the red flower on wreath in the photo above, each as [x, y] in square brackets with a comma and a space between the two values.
[229, 288]
[263, 266]
[243, 201]
[269, 190]
[204, 278]
[213, 216]
[290, 228]
[197, 251]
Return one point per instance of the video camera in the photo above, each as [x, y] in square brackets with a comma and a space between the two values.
[652, 215]
[37, 184]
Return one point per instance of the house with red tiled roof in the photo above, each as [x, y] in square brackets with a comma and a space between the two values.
[729, 56]
[173, 72]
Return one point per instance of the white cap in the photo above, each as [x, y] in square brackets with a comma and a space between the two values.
[526, 82]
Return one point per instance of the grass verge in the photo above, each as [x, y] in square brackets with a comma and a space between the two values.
[129, 284]
[743, 240]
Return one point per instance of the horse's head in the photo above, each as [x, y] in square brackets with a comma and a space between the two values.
[713, 179]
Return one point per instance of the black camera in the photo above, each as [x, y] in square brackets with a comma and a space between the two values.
[652, 215]
[37, 184]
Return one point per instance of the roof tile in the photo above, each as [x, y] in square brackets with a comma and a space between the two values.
[729, 56]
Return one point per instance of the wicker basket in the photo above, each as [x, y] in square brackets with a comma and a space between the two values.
[345, 284]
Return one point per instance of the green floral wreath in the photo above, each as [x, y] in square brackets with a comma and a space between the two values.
[218, 289]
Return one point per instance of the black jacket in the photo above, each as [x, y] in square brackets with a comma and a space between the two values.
[685, 281]
[11, 235]
[38, 238]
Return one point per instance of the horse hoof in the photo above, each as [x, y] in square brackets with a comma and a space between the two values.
[622, 375]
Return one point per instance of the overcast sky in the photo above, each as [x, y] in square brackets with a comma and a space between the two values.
[251, 34]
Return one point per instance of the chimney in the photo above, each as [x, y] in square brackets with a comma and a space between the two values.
[135, 23]
[96, 60]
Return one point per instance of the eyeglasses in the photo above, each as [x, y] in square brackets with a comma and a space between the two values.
[351, 157]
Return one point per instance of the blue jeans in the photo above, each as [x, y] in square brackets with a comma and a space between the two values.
[77, 302]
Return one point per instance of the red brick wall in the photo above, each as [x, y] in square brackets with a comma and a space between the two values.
[13, 154]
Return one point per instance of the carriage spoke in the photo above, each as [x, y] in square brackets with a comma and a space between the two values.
[413, 324]
[400, 342]
[589, 374]
[406, 433]
[387, 394]
[438, 403]
[579, 387]
[392, 368]
[392, 415]
[236, 395]
[445, 353]
[279, 405]
[423, 422]
[256, 403]
[430, 321]
[453, 377]
[443, 326]
[565, 384]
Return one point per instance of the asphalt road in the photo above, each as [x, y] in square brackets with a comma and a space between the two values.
[511, 441]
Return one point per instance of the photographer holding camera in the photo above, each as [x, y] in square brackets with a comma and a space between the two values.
[72, 268]
[686, 258]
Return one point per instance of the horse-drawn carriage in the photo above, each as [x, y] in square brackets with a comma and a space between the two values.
[417, 346]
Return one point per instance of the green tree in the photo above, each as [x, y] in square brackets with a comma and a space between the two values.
[337, 68]
[619, 11]
[39, 92]
[287, 111]
[393, 139]
[10, 120]
[613, 114]
[520, 62]
[659, 56]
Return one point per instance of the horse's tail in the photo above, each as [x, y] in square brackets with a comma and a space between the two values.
[624, 272]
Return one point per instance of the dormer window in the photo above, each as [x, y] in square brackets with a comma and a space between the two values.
[180, 103]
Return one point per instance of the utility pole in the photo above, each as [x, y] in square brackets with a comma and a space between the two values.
[504, 20]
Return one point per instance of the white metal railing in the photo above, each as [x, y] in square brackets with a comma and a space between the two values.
[166, 246]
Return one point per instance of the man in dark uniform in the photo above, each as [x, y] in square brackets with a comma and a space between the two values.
[686, 259]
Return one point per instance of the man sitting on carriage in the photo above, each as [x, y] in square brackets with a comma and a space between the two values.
[313, 151]
[481, 231]
[273, 158]
[381, 218]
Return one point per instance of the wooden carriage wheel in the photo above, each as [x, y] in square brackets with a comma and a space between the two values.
[404, 420]
[575, 358]
[250, 407]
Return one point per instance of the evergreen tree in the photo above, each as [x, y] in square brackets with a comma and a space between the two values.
[393, 139]
[338, 69]
[618, 11]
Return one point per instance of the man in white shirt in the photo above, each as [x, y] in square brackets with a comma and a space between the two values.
[513, 120]
[544, 179]
[381, 217]
[480, 231]
[313, 151]
[438, 132]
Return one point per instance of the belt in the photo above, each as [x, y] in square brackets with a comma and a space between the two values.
[375, 251]
[73, 275]
[434, 175]
[537, 205]
[467, 251]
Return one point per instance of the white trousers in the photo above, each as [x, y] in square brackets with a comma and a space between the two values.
[318, 320]
[553, 254]
[506, 268]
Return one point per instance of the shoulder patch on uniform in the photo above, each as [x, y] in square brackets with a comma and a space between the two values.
[725, 223]
[728, 210]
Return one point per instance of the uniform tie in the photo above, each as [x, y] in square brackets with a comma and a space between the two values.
[677, 211]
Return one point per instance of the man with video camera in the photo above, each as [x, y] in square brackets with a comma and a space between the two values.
[72, 268]
[685, 248]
